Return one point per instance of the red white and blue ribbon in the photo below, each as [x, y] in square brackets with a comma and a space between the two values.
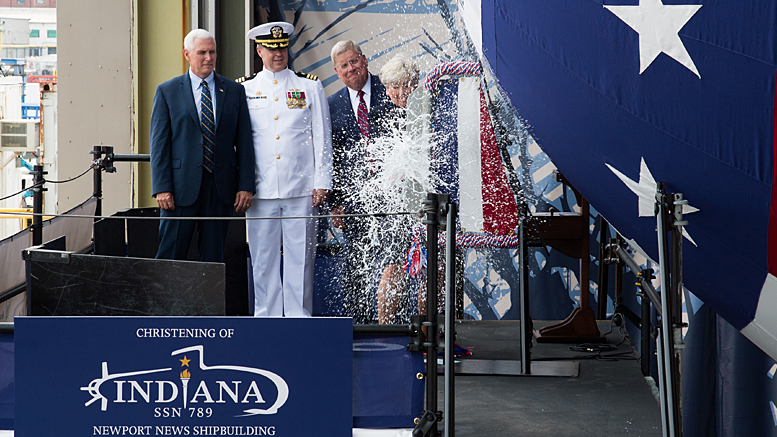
[415, 264]
[450, 69]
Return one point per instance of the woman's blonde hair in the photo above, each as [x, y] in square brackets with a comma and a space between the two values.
[399, 70]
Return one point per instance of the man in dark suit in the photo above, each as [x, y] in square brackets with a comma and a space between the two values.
[202, 155]
[349, 109]
[348, 137]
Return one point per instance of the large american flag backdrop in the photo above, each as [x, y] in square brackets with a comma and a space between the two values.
[688, 87]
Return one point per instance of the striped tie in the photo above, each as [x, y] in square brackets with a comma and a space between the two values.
[208, 127]
[364, 126]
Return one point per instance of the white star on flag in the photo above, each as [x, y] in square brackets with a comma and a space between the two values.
[646, 192]
[658, 26]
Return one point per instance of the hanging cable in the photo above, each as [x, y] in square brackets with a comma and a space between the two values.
[596, 351]
[20, 192]
[71, 179]
[47, 181]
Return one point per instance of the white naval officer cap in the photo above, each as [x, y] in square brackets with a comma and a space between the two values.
[272, 35]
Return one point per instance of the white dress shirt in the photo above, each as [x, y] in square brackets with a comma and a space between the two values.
[367, 88]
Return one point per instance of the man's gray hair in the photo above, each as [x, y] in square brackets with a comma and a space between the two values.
[188, 42]
[399, 70]
[343, 46]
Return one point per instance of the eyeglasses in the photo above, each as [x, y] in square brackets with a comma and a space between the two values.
[355, 62]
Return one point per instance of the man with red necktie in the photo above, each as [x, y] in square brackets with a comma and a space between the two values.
[349, 108]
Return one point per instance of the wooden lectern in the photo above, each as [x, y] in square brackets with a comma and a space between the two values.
[569, 234]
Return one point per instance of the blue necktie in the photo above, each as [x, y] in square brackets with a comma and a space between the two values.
[208, 129]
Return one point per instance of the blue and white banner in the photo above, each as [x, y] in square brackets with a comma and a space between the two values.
[197, 376]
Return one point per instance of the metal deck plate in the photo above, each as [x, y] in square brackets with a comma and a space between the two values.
[569, 369]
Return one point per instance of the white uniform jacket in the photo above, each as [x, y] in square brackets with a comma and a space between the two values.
[292, 134]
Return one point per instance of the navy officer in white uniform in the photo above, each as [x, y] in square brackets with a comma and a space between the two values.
[293, 151]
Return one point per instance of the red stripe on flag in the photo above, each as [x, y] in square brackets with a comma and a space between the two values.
[500, 212]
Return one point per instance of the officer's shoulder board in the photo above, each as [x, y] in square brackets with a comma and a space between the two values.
[306, 75]
[245, 78]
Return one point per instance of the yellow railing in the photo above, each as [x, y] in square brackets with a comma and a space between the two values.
[18, 216]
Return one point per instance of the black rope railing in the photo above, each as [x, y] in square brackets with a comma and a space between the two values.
[97, 217]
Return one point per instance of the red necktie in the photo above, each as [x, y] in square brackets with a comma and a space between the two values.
[364, 126]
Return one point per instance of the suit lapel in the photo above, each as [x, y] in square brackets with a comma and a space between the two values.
[221, 94]
[378, 92]
[188, 97]
[352, 124]
[348, 106]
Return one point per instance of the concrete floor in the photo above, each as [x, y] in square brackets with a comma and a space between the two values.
[608, 398]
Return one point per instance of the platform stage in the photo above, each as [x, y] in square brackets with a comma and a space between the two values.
[607, 398]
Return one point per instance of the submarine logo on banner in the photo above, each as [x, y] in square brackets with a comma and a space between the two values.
[187, 376]
[177, 398]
